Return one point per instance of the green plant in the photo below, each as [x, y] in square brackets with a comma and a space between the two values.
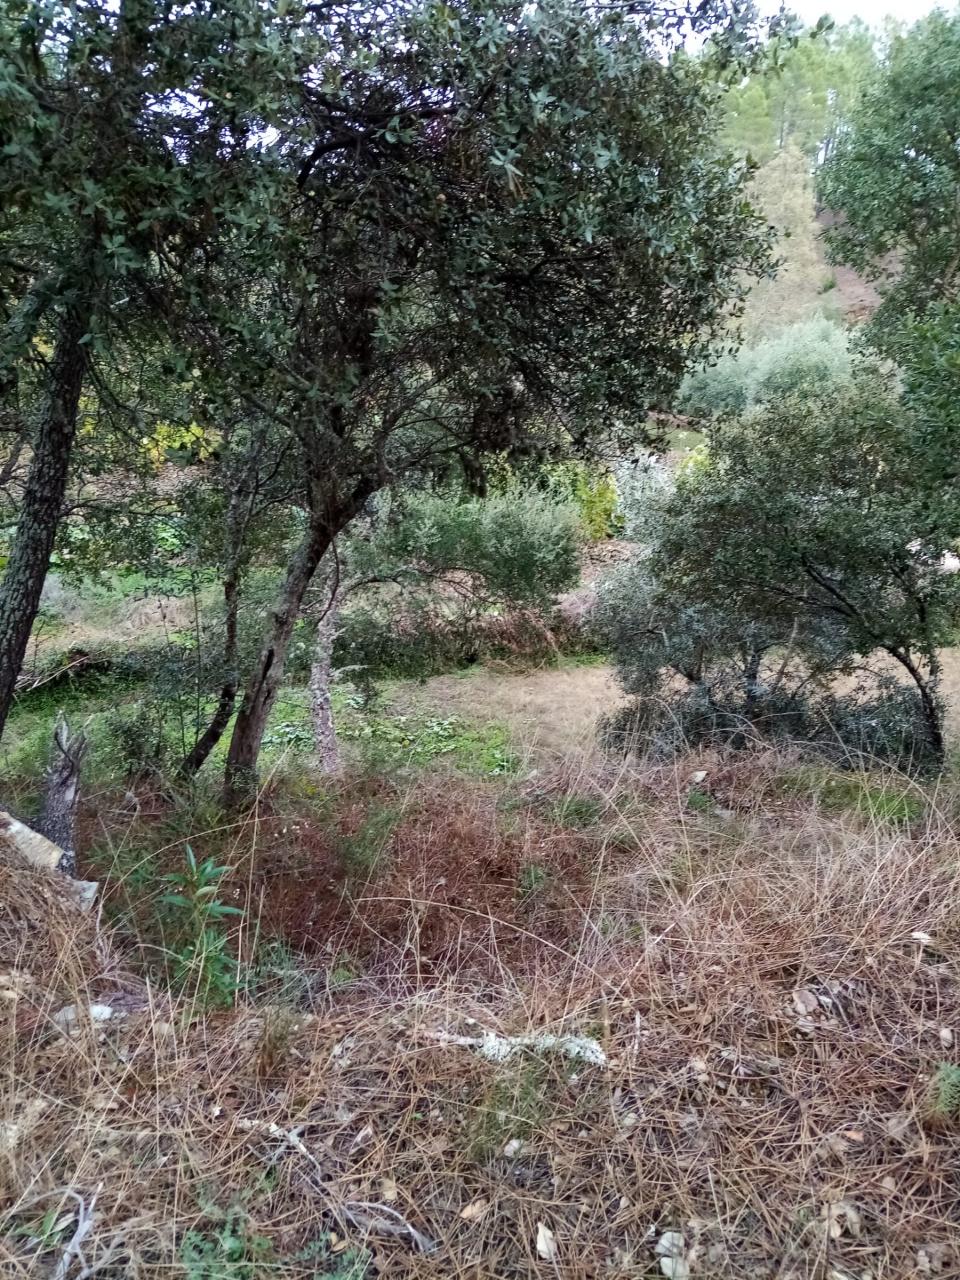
[276, 974]
[943, 1094]
[882, 801]
[806, 544]
[407, 739]
[699, 801]
[592, 491]
[228, 1249]
[362, 851]
[574, 810]
[48, 1231]
[806, 359]
[195, 915]
[511, 1109]
[532, 881]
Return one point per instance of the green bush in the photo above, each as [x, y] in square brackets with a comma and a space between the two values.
[802, 545]
[805, 359]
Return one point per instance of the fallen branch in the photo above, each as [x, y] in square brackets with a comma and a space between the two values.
[377, 1218]
[497, 1048]
[73, 1249]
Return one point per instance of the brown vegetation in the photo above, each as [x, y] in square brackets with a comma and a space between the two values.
[772, 980]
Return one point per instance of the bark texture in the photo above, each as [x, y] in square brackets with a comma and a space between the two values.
[261, 690]
[39, 518]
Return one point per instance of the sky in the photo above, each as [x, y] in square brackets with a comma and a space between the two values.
[872, 11]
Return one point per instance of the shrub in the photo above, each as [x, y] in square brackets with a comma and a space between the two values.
[804, 359]
[805, 544]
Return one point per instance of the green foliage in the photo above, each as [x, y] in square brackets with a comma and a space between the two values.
[894, 176]
[805, 359]
[363, 850]
[883, 801]
[401, 739]
[592, 491]
[783, 192]
[195, 916]
[352, 240]
[801, 549]
[513, 1107]
[805, 99]
[48, 1230]
[532, 881]
[229, 1247]
[515, 548]
[943, 1095]
[574, 810]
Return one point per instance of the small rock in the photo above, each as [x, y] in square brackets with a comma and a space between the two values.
[946, 1037]
[675, 1268]
[805, 1001]
[670, 1245]
[69, 1014]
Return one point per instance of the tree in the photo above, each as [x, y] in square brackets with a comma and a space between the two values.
[507, 232]
[130, 147]
[809, 529]
[802, 96]
[782, 191]
[894, 177]
[458, 557]
[806, 358]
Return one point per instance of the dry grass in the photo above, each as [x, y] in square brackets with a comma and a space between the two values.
[773, 986]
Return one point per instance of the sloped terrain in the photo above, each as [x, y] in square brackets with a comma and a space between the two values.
[736, 986]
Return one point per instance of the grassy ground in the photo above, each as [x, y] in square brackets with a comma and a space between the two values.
[489, 1005]
[736, 986]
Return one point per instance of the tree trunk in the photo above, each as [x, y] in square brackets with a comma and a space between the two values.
[39, 519]
[261, 690]
[59, 810]
[932, 710]
[321, 706]
[237, 520]
[196, 757]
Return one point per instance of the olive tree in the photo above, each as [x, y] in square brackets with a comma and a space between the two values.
[807, 543]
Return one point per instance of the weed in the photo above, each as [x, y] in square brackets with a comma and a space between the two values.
[396, 739]
[363, 851]
[342, 972]
[577, 811]
[512, 1108]
[275, 1041]
[943, 1095]
[532, 881]
[47, 1232]
[277, 974]
[229, 1249]
[700, 802]
[881, 801]
[195, 916]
